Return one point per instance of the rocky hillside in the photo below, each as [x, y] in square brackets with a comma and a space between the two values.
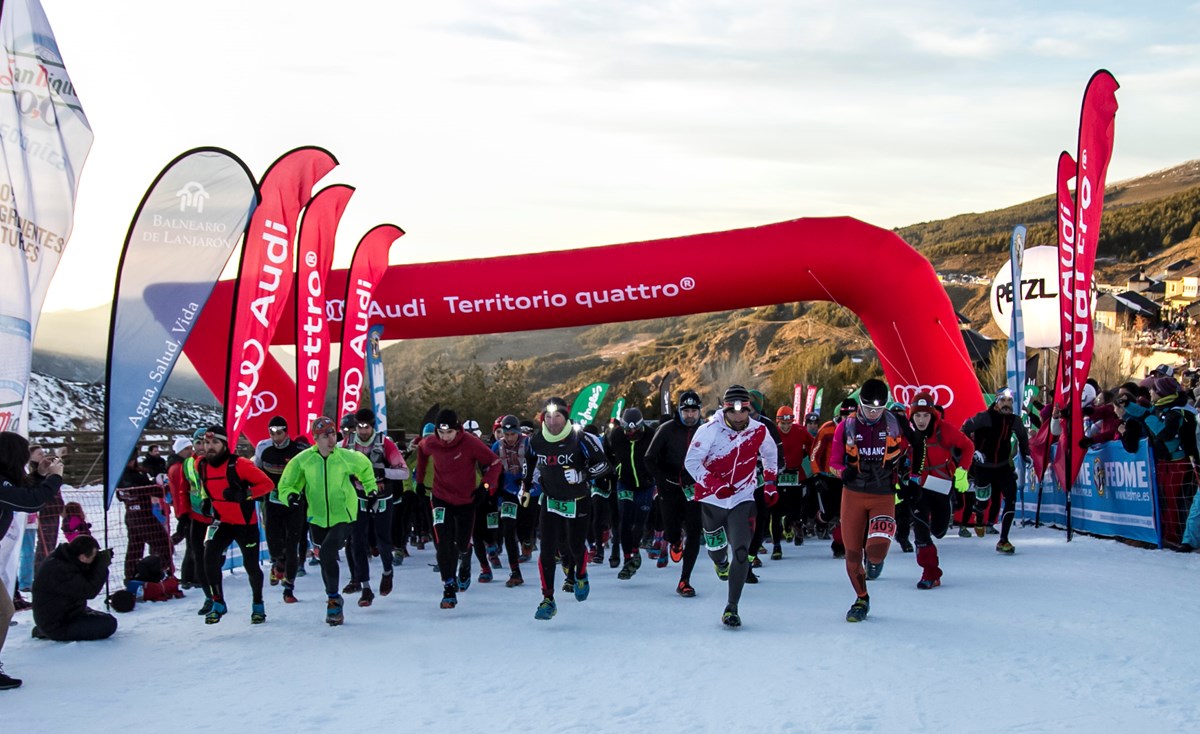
[57, 404]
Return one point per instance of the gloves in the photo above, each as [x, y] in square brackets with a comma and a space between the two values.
[524, 498]
[206, 507]
[480, 495]
[294, 500]
[573, 476]
[979, 458]
[420, 488]
[770, 494]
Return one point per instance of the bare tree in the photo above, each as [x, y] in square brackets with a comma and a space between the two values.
[1106, 358]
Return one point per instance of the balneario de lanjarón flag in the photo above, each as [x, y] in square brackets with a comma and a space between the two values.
[182, 234]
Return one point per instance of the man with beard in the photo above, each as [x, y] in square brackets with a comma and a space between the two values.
[937, 451]
[991, 432]
[868, 451]
[232, 485]
[676, 488]
[566, 458]
[723, 458]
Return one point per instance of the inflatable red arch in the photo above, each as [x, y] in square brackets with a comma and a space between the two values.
[872, 271]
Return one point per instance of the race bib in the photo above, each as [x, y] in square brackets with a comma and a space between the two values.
[716, 540]
[597, 492]
[881, 526]
[508, 510]
[937, 484]
[625, 495]
[493, 520]
[562, 508]
[788, 479]
[983, 492]
[689, 492]
[439, 515]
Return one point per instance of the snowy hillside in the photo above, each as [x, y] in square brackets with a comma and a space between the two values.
[57, 404]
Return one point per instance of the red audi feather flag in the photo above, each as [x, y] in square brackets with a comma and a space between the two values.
[1096, 124]
[265, 280]
[1065, 219]
[366, 270]
[314, 259]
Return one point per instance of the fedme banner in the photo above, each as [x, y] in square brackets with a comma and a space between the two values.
[1113, 494]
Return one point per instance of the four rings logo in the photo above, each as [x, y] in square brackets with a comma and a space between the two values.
[942, 395]
[335, 309]
[263, 402]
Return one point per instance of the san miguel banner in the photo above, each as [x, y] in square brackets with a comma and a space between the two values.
[587, 403]
[375, 378]
[920, 346]
[265, 281]
[184, 231]
[1077, 264]
[366, 270]
[314, 259]
[618, 408]
[45, 139]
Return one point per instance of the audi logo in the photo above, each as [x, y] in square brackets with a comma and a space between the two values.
[942, 395]
[263, 402]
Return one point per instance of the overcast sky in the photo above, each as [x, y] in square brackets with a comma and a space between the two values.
[503, 127]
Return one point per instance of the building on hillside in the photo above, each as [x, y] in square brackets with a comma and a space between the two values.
[1173, 269]
[1127, 311]
[1182, 287]
[1141, 282]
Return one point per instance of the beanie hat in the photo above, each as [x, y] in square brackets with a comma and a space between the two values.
[631, 419]
[785, 410]
[217, 432]
[847, 407]
[447, 419]
[180, 444]
[873, 394]
[198, 435]
[1165, 386]
[427, 430]
[689, 399]
[510, 424]
[277, 422]
[365, 415]
[322, 426]
[557, 405]
[922, 403]
[736, 394]
[757, 400]
[348, 422]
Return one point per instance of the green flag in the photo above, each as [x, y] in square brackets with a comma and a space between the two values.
[587, 403]
[620, 406]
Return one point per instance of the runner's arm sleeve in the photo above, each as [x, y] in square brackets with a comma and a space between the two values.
[293, 480]
[771, 458]
[597, 460]
[654, 455]
[693, 462]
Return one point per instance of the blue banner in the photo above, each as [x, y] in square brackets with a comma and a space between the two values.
[1015, 359]
[375, 378]
[184, 232]
[1114, 494]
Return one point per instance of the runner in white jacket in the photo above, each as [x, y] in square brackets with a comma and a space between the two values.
[723, 458]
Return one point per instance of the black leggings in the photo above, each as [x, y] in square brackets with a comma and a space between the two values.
[737, 524]
[329, 541]
[452, 536]
[195, 555]
[762, 515]
[246, 536]
[285, 534]
[571, 533]
[508, 528]
[634, 513]
[481, 535]
[145, 531]
[360, 542]
[681, 518]
[931, 514]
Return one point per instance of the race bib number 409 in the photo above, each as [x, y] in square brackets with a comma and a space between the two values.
[881, 526]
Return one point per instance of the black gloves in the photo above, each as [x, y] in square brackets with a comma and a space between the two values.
[294, 500]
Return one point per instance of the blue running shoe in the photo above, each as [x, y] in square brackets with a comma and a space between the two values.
[582, 588]
[546, 610]
[218, 610]
[258, 614]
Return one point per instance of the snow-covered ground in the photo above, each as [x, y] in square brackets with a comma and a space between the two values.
[1091, 636]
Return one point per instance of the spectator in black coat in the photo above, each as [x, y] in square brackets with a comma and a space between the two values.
[17, 494]
[74, 573]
